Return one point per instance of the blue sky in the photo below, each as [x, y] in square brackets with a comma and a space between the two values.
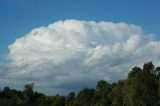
[115, 36]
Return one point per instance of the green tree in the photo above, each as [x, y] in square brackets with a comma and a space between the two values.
[103, 89]
[157, 72]
[143, 86]
[85, 97]
[148, 80]
[28, 92]
[70, 101]
[117, 95]
[59, 101]
[135, 73]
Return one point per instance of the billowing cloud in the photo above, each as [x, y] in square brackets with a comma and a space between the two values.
[71, 54]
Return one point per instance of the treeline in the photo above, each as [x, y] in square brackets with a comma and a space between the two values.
[141, 88]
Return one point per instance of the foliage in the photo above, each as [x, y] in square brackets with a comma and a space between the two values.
[141, 88]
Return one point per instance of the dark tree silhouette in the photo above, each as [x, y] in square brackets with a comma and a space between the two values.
[141, 88]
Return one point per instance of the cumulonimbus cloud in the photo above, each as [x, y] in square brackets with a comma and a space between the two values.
[70, 54]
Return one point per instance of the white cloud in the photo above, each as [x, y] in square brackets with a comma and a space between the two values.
[71, 54]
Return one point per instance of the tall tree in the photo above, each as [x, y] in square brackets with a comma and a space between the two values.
[70, 101]
[101, 96]
[28, 92]
[117, 95]
[85, 97]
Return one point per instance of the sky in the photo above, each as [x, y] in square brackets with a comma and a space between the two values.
[65, 45]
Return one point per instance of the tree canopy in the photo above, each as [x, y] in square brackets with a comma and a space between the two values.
[140, 88]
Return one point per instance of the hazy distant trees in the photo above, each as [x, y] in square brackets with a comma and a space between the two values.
[141, 88]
